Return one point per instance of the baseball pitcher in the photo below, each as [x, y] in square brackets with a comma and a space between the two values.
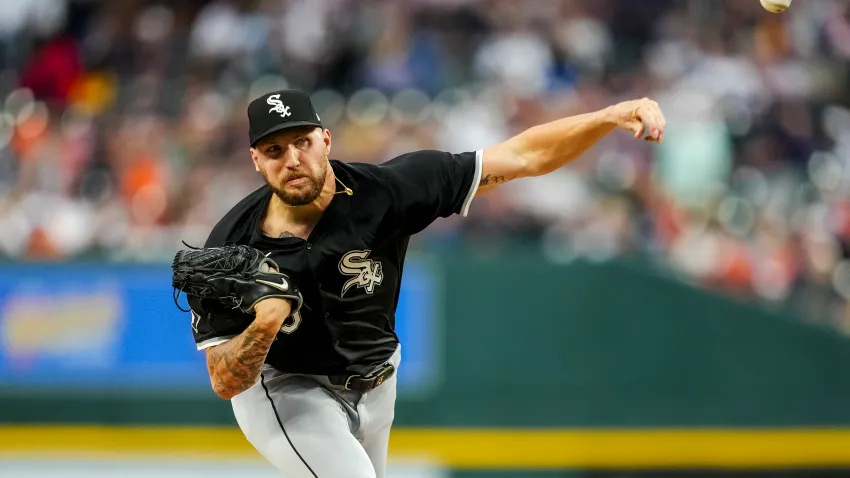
[293, 295]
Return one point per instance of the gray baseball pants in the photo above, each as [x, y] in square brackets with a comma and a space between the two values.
[308, 428]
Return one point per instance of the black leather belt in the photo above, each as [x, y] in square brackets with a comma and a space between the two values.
[364, 383]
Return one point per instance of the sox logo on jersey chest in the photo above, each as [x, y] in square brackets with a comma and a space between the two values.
[367, 273]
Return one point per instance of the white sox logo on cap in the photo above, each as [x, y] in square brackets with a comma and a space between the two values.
[277, 106]
[289, 109]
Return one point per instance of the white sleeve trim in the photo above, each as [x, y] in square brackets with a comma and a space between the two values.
[479, 167]
[213, 341]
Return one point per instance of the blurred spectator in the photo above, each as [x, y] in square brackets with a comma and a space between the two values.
[123, 128]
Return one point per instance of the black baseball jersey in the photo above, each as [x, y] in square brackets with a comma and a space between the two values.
[349, 269]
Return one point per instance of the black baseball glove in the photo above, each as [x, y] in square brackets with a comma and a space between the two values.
[236, 275]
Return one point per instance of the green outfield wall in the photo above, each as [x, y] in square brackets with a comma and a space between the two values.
[526, 343]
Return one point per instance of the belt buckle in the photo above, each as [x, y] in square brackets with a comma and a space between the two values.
[347, 385]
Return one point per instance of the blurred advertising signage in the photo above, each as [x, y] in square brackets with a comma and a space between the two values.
[116, 326]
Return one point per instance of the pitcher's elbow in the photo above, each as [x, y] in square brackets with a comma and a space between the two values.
[223, 391]
[224, 394]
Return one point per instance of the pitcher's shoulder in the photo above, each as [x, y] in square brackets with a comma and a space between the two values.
[358, 171]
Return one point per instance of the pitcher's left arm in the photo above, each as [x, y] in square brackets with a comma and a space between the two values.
[544, 148]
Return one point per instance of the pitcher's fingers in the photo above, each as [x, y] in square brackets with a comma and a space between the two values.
[637, 127]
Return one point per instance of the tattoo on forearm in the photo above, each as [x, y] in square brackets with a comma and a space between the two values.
[495, 179]
[236, 365]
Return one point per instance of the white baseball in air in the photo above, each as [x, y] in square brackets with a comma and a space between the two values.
[775, 6]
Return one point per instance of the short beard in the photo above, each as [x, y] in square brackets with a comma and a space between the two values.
[302, 198]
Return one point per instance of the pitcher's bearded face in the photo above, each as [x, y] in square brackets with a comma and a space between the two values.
[297, 188]
[294, 163]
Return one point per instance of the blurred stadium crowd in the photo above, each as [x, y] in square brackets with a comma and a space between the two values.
[123, 126]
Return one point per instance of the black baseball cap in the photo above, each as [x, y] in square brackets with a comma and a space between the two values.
[279, 110]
